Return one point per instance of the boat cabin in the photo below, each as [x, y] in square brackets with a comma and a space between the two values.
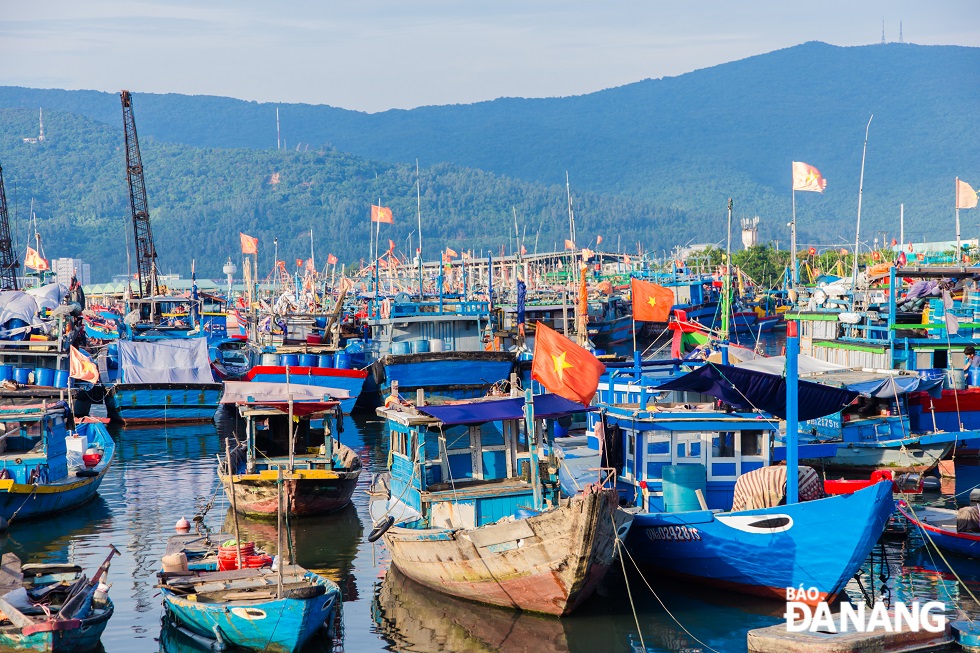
[667, 451]
[470, 464]
[33, 445]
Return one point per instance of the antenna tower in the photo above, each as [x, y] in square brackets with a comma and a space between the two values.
[8, 257]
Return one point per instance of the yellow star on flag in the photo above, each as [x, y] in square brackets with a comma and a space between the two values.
[560, 365]
[652, 302]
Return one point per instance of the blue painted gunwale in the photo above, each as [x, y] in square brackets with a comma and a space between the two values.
[31, 500]
[163, 402]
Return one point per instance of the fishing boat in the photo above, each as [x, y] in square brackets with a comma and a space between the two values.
[875, 432]
[45, 468]
[166, 380]
[52, 608]
[711, 503]
[319, 473]
[291, 368]
[938, 526]
[473, 506]
[261, 609]
[230, 359]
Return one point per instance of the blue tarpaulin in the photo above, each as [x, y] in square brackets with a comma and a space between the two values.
[545, 406]
[748, 389]
[521, 300]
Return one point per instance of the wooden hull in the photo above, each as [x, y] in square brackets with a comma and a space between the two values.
[67, 636]
[915, 457]
[548, 563]
[159, 403]
[304, 493]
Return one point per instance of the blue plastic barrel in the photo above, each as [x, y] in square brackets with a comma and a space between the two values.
[320, 321]
[680, 483]
[44, 376]
[341, 360]
[975, 376]
[420, 346]
[403, 347]
[6, 372]
[61, 379]
[307, 360]
[22, 375]
[289, 359]
[324, 360]
[560, 431]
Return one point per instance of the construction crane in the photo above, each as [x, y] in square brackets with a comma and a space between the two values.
[146, 253]
[8, 257]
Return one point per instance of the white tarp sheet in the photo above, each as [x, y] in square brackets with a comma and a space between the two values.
[165, 361]
[18, 305]
[277, 393]
[777, 365]
[49, 296]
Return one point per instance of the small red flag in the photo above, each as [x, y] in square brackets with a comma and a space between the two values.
[806, 177]
[451, 253]
[391, 245]
[598, 240]
[381, 214]
[569, 244]
[34, 261]
[563, 367]
[299, 262]
[81, 367]
[249, 245]
[331, 259]
[651, 302]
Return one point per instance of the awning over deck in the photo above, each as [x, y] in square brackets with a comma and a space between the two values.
[869, 383]
[749, 390]
[545, 406]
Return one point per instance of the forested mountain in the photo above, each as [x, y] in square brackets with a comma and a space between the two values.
[200, 198]
[653, 161]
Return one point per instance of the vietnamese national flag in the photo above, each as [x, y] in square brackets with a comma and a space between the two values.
[598, 240]
[34, 261]
[249, 245]
[451, 253]
[806, 177]
[563, 367]
[81, 367]
[569, 244]
[381, 214]
[966, 197]
[651, 303]
[331, 259]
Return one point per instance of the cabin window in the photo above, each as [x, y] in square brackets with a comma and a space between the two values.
[458, 437]
[398, 442]
[751, 443]
[723, 445]
[459, 455]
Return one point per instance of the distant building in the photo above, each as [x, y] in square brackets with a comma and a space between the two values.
[64, 268]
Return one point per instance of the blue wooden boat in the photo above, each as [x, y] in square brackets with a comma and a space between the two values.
[444, 347]
[473, 506]
[162, 380]
[52, 608]
[253, 609]
[938, 526]
[682, 464]
[230, 359]
[42, 466]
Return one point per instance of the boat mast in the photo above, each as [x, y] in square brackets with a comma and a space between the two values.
[857, 238]
[726, 300]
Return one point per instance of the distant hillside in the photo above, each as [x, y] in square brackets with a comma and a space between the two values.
[200, 198]
[687, 142]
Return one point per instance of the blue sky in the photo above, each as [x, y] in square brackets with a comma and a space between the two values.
[375, 55]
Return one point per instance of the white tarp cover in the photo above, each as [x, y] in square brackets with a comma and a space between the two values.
[777, 365]
[165, 361]
[15, 304]
[49, 296]
[238, 392]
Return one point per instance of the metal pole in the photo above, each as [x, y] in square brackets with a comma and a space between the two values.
[792, 412]
[234, 502]
[282, 560]
[857, 237]
[792, 237]
[532, 445]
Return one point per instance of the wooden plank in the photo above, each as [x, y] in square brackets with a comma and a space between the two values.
[15, 616]
[499, 533]
[11, 577]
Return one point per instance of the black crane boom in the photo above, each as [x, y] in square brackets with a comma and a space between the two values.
[8, 257]
[146, 253]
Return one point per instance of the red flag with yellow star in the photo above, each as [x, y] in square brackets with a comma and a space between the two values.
[563, 367]
[651, 303]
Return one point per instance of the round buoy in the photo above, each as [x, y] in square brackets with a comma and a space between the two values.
[183, 525]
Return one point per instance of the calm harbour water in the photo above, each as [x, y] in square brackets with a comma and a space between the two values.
[164, 473]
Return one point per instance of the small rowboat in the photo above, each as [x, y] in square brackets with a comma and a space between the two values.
[938, 525]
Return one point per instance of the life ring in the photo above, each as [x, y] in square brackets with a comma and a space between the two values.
[386, 309]
[381, 528]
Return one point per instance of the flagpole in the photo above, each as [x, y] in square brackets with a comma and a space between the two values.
[792, 234]
[959, 244]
